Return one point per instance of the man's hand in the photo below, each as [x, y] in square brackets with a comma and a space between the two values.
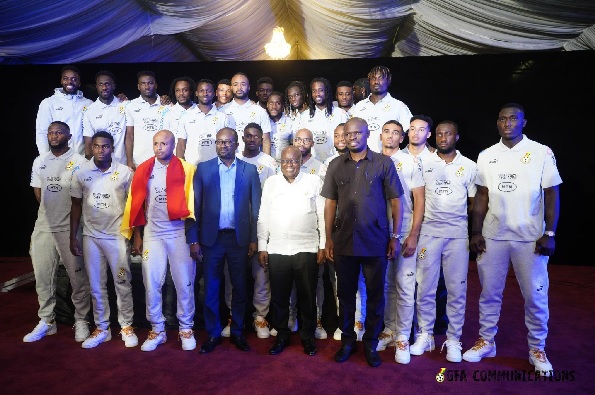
[321, 257]
[393, 248]
[263, 259]
[196, 252]
[75, 247]
[252, 249]
[329, 249]
[477, 244]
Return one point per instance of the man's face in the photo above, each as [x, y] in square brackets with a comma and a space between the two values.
[290, 163]
[378, 84]
[58, 136]
[252, 139]
[446, 138]
[163, 145]
[318, 93]
[510, 123]
[102, 149]
[304, 141]
[226, 144]
[296, 99]
[392, 135]
[105, 87]
[70, 82]
[263, 91]
[344, 96]
[358, 93]
[356, 135]
[339, 139]
[224, 93]
[183, 93]
[240, 86]
[147, 86]
[205, 93]
[275, 106]
[419, 132]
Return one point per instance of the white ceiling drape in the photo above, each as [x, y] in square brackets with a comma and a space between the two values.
[69, 31]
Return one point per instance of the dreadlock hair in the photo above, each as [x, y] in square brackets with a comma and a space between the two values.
[289, 110]
[327, 95]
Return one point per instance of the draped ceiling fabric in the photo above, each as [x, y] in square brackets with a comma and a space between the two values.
[129, 31]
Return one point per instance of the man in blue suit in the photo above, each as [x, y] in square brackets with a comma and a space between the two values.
[227, 201]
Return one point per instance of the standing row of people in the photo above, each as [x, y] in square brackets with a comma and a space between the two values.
[416, 224]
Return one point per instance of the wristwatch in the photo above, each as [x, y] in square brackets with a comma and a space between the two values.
[549, 233]
[395, 236]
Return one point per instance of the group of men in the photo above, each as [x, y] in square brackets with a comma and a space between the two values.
[310, 184]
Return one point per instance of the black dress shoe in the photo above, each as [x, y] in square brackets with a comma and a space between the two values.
[345, 352]
[279, 346]
[210, 344]
[240, 342]
[309, 346]
[373, 358]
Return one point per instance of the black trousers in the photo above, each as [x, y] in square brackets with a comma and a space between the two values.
[374, 271]
[284, 270]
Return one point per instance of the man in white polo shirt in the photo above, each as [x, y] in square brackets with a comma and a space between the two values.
[183, 90]
[243, 111]
[322, 119]
[68, 105]
[281, 134]
[198, 128]
[106, 113]
[380, 106]
[99, 189]
[144, 118]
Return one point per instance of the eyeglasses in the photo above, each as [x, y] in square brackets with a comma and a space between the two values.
[225, 143]
[290, 162]
[354, 134]
[302, 140]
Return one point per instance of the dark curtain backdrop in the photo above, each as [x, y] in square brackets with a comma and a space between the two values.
[556, 89]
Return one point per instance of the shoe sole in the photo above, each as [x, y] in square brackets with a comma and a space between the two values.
[477, 359]
[454, 360]
[48, 333]
[154, 348]
[96, 344]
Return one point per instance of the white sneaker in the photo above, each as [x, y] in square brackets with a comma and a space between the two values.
[538, 359]
[320, 333]
[385, 339]
[402, 354]
[274, 332]
[453, 350]
[423, 342]
[81, 331]
[153, 340]
[129, 337]
[262, 328]
[40, 331]
[188, 340]
[292, 324]
[359, 330]
[97, 337]
[337, 334]
[481, 349]
[225, 332]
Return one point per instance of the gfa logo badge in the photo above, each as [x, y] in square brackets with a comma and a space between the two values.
[440, 375]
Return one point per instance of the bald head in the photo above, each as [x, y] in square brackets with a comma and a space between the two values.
[164, 143]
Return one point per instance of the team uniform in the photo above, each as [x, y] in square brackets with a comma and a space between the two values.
[104, 198]
[66, 108]
[199, 130]
[515, 178]
[399, 284]
[243, 114]
[281, 135]
[314, 166]
[50, 241]
[376, 115]
[322, 127]
[444, 240]
[171, 121]
[147, 119]
[111, 118]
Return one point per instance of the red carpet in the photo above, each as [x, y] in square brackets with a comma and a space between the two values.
[57, 364]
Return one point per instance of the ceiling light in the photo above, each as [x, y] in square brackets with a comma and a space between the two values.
[278, 48]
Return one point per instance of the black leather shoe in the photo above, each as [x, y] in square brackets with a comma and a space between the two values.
[309, 347]
[279, 346]
[373, 358]
[210, 344]
[345, 352]
[240, 342]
